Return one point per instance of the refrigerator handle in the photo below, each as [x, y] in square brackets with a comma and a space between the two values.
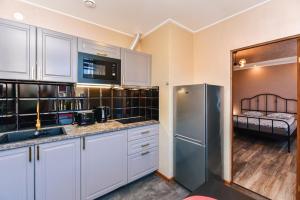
[189, 139]
[180, 138]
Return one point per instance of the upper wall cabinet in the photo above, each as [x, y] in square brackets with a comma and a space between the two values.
[17, 51]
[56, 56]
[136, 68]
[97, 48]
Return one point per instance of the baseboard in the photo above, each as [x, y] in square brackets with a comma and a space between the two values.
[164, 177]
[227, 182]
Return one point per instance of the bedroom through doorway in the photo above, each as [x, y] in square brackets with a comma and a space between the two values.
[264, 119]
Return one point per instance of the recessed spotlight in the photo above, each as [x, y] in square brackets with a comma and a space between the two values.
[18, 16]
[89, 3]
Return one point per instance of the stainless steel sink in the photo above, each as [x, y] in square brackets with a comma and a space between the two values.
[29, 135]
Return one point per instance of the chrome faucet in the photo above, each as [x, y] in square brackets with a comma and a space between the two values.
[38, 121]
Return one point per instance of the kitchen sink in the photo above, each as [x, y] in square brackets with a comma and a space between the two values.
[29, 135]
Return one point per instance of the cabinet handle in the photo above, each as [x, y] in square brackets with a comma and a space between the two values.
[145, 132]
[145, 145]
[30, 157]
[145, 153]
[83, 143]
[38, 152]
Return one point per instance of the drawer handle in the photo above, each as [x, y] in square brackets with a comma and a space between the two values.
[145, 132]
[145, 145]
[145, 153]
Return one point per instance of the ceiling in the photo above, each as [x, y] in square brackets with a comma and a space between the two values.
[132, 16]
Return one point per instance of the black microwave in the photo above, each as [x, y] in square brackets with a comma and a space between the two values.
[98, 69]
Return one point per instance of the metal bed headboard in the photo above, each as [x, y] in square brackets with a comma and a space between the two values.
[268, 98]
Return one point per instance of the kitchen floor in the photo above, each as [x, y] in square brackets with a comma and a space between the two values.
[151, 187]
[265, 167]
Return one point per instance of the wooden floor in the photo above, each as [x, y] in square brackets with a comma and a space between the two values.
[265, 167]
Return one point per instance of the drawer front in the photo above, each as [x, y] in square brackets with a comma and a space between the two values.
[139, 133]
[142, 163]
[143, 144]
[96, 48]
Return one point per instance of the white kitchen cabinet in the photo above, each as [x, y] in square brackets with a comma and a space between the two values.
[57, 170]
[17, 51]
[17, 174]
[56, 56]
[99, 49]
[141, 164]
[142, 151]
[136, 68]
[103, 164]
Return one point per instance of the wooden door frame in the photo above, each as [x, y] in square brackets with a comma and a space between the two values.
[297, 37]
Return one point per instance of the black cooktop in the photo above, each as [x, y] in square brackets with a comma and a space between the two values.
[131, 120]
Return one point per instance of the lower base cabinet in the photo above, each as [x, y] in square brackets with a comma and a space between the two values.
[103, 164]
[141, 164]
[57, 170]
[17, 174]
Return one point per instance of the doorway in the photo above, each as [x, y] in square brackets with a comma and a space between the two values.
[264, 90]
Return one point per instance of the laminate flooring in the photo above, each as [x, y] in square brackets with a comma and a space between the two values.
[265, 167]
[151, 187]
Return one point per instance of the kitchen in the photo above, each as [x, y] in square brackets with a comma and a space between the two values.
[92, 106]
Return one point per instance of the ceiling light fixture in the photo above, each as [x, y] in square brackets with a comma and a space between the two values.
[242, 62]
[89, 3]
[18, 16]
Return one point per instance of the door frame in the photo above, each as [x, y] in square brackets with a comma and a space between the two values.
[297, 37]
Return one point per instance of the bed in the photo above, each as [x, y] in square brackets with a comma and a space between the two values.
[267, 115]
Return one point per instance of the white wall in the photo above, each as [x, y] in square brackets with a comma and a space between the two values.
[273, 20]
[172, 64]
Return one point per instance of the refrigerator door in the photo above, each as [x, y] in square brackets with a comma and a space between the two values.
[189, 160]
[214, 131]
[189, 112]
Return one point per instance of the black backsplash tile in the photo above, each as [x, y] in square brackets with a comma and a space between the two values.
[119, 103]
[8, 123]
[95, 92]
[106, 92]
[28, 91]
[48, 91]
[58, 102]
[27, 106]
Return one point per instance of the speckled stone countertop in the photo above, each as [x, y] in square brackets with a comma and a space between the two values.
[74, 131]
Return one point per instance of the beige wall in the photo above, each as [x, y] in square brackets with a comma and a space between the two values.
[54, 21]
[280, 80]
[172, 64]
[273, 20]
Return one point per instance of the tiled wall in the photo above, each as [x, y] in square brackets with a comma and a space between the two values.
[58, 102]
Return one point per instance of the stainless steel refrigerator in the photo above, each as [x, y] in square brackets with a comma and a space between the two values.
[197, 134]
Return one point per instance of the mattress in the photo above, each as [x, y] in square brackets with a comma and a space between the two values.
[280, 127]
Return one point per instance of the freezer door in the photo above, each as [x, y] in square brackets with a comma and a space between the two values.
[189, 163]
[189, 112]
[214, 131]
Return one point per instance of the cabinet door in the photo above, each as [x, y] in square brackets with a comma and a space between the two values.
[142, 163]
[104, 164]
[136, 68]
[57, 170]
[97, 48]
[17, 50]
[57, 56]
[17, 174]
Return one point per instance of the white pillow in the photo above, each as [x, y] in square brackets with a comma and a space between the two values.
[253, 114]
[281, 115]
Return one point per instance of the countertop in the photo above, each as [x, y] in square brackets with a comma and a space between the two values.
[75, 131]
